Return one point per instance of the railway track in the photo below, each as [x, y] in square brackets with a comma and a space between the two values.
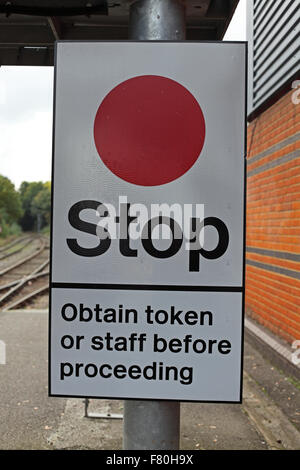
[26, 279]
[15, 246]
[10, 244]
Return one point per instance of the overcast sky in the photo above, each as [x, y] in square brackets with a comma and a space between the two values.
[26, 114]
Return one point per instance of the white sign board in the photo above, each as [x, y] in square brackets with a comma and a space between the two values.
[147, 265]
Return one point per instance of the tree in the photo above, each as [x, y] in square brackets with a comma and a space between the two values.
[9, 199]
[10, 204]
[41, 205]
[28, 191]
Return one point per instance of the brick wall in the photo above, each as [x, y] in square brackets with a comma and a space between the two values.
[273, 219]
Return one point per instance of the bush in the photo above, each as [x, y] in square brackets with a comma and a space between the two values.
[7, 230]
[46, 230]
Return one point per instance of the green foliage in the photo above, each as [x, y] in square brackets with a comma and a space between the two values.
[36, 203]
[30, 206]
[8, 230]
[41, 204]
[9, 200]
[28, 191]
[46, 230]
[10, 207]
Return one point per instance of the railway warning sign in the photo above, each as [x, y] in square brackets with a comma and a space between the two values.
[147, 245]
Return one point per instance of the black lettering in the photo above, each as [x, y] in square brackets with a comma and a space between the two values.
[187, 339]
[210, 345]
[152, 370]
[134, 372]
[202, 344]
[206, 314]
[77, 368]
[186, 379]
[125, 249]
[87, 227]
[194, 263]
[156, 346]
[78, 341]
[108, 339]
[94, 369]
[67, 342]
[63, 312]
[121, 344]
[191, 318]
[175, 345]
[134, 313]
[98, 311]
[97, 343]
[63, 372]
[148, 312]
[109, 315]
[175, 316]
[107, 366]
[174, 370]
[161, 317]
[120, 371]
[82, 310]
[224, 346]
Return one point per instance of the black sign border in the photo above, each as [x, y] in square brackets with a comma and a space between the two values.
[141, 286]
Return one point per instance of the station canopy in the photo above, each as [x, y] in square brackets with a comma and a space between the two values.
[29, 28]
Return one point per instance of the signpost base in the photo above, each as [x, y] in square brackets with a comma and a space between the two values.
[150, 425]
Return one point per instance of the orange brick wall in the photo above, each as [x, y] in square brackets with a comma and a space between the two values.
[273, 219]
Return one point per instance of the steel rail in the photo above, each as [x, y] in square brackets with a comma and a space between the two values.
[28, 278]
[27, 297]
[6, 255]
[12, 243]
[17, 286]
[22, 261]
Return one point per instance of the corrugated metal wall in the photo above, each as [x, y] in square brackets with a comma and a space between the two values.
[273, 168]
[274, 45]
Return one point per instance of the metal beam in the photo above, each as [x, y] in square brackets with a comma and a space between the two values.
[39, 35]
[12, 55]
[33, 24]
[55, 26]
[9, 8]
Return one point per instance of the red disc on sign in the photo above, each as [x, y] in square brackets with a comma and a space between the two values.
[149, 130]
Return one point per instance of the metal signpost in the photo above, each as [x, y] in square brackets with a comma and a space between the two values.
[154, 20]
[147, 250]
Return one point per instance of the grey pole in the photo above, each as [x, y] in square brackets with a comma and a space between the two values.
[154, 424]
[151, 425]
[157, 20]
